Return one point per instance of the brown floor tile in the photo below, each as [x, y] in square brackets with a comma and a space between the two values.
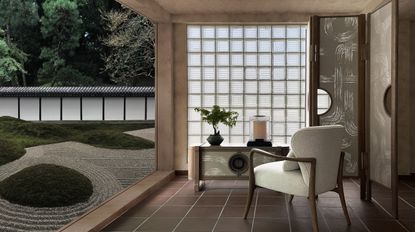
[182, 200]
[236, 211]
[339, 225]
[142, 210]
[237, 200]
[279, 211]
[205, 212]
[159, 224]
[304, 225]
[335, 213]
[265, 200]
[196, 225]
[125, 224]
[233, 225]
[171, 211]
[220, 192]
[156, 200]
[271, 225]
[211, 200]
[383, 225]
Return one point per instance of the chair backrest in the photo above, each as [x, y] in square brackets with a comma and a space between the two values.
[324, 144]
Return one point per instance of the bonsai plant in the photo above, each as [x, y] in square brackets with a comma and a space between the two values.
[214, 117]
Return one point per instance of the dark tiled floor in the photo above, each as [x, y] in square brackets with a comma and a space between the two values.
[407, 203]
[178, 208]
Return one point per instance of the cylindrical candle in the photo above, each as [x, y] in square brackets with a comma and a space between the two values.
[260, 130]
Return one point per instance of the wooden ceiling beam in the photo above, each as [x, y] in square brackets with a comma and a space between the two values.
[149, 9]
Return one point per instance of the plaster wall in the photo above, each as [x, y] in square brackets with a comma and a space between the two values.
[114, 108]
[51, 109]
[9, 106]
[29, 108]
[71, 108]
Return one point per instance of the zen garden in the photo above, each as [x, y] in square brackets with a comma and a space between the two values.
[53, 171]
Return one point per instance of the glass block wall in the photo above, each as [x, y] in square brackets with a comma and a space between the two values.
[250, 69]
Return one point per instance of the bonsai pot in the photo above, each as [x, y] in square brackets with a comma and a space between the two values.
[215, 140]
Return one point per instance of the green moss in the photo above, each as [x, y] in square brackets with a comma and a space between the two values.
[17, 134]
[46, 185]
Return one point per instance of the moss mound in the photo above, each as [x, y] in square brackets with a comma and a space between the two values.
[108, 139]
[9, 151]
[46, 185]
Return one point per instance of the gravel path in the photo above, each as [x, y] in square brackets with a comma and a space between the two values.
[108, 169]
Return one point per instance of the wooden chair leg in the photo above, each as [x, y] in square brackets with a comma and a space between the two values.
[291, 198]
[313, 209]
[344, 206]
[249, 200]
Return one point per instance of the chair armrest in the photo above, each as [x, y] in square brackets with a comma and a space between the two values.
[312, 161]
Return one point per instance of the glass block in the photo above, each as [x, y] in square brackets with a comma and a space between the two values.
[278, 46]
[222, 86]
[264, 46]
[278, 115]
[293, 73]
[208, 32]
[223, 73]
[237, 73]
[237, 59]
[292, 128]
[195, 128]
[264, 74]
[279, 140]
[278, 129]
[293, 87]
[303, 99]
[208, 100]
[223, 100]
[303, 73]
[278, 101]
[208, 59]
[251, 87]
[237, 101]
[194, 59]
[264, 32]
[222, 60]
[279, 74]
[194, 87]
[279, 87]
[303, 60]
[250, 45]
[266, 112]
[293, 101]
[293, 45]
[222, 32]
[193, 115]
[206, 130]
[208, 45]
[250, 59]
[279, 59]
[193, 31]
[208, 73]
[224, 130]
[237, 46]
[265, 101]
[293, 31]
[194, 101]
[251, 101]
[222, 46]
[237, 87]
[209, 87]
[293, 59]
[293, 115]
[194, 45]
[240, 112]
[264, 60]
[236, 32]
[278, 31]
[302, 118]
[251, 73]
[303, 31]
[194, 73]
[303, 45]
[237, 139]
[265, 87]
[249, 113]
[250, 32]
[302, 87]
[194, 141]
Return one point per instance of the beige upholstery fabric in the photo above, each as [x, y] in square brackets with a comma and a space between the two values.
[290, 165]
[322, 143]
[272, 176]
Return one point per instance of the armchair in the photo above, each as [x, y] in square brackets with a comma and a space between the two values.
[320, 168]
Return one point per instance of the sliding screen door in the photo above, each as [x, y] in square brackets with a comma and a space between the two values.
[382, 105]
[337, 84]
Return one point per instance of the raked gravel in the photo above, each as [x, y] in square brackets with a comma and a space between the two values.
[108, 169]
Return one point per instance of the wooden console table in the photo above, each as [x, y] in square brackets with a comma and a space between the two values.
[227, 162]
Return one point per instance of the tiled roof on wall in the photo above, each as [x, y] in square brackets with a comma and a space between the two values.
[105, 91]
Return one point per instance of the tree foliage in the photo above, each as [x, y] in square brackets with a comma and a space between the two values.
[217, 115]
[131, 43]
[11, 63]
